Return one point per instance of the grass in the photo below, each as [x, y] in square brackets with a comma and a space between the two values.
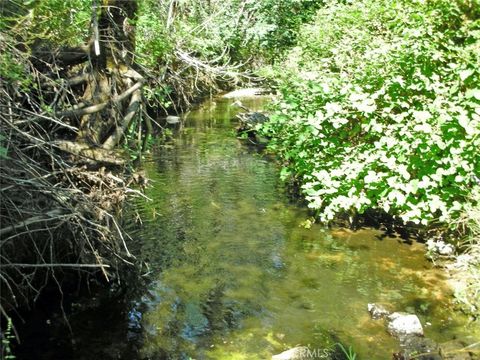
[349, 353]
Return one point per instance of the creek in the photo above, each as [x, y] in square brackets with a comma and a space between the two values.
[237, 276]
[233, 274]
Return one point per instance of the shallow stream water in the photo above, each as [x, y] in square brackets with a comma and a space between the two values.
[232, 273]
[238, 277]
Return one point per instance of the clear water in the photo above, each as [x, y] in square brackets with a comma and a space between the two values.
[236, 276]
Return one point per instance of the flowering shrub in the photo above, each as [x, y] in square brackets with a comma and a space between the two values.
[380, 108]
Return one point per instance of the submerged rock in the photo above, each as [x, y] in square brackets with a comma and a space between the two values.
[403, 324]
[296, 353]
[418, 348]
[377, 311]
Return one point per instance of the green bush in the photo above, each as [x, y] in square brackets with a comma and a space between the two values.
[153, 43]
[262, 30]
[380, 108]
[55, 21]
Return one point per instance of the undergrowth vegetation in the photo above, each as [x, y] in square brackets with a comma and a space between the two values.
[467, 266]
[380, 108]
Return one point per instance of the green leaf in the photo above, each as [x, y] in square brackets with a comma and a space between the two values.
[465, 74]
[473, 93]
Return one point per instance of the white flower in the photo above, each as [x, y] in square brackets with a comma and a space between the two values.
[333, 108]
[422, 115]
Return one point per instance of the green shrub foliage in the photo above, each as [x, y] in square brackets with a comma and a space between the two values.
[380, 108]
[243, 29]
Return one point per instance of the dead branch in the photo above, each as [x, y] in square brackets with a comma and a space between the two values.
[52, 215]
[34, 116]
[54, 265]
[91, 153]
[132, 74]
[229, 71]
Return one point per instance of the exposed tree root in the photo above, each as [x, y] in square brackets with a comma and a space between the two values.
[59, 124]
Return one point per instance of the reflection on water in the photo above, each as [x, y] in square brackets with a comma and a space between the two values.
[236, 277]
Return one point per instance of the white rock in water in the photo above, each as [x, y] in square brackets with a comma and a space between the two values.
[446, 249]
[296, 353]
[403, 324]
[440, 247]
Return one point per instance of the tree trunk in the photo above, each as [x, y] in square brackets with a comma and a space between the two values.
[114, 44]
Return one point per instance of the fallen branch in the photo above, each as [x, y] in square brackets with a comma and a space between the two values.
[77, 80]
[56, 265]
[132, 74]
[227, 70]
[54, 214]
[37, 117]
[92, 153]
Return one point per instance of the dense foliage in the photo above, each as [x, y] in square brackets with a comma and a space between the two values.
[240, 29]
[380, 108]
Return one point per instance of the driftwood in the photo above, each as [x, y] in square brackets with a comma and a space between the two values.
[90, 153]
[52, 215]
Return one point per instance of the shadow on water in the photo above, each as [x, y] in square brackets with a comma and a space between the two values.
[233, 275]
